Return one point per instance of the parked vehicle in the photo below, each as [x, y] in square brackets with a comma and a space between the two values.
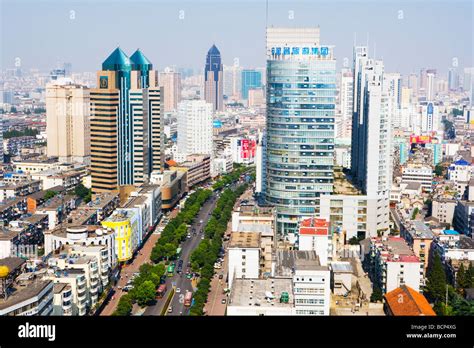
[161, 291]
[188, 298]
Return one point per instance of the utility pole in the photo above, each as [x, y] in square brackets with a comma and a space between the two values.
[446, 295]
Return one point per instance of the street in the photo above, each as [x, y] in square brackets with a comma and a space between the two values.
[180, 281]
[142, 257]
[214, 305]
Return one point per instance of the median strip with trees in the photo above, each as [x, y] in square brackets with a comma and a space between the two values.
[206, 254]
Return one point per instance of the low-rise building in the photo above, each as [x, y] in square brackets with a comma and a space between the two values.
[463, 219]
[244, 256]
[311, 281]
[261, 297]
[81, 236]
[267, 244]
[419, 237]
[454, 249]
[392, 263]
[53, 178]
[314, 234]
[19, 189]
[173, 186]
[23, 294]
[125, 225]
[443, 209]
[418, 173]
[197, 167]
[341, 277]
[405, 301]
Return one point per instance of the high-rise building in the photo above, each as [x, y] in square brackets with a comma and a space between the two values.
[413, 84]
[67, 121]
[1, 140]
[371, 154]
[194, 127]
[453, 79]
[301, 95]
[345, 103]
[232, 80]
[126, 127]
[213, 75]
[250, 79]
[430, 86]
[430, 118]
[171, 83]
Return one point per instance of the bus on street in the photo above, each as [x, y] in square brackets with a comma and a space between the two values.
[170, 270]
[188, 298]
[161, 291]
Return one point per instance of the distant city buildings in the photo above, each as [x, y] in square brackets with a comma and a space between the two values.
[171, 83]
[251, 79]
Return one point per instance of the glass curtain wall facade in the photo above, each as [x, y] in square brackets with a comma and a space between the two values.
[301, 97]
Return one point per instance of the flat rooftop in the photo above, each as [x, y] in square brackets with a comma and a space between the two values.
[263, 229]
[12, 262]
[420, 230]
[254, 210]
[287, 261]
[23, 293]
[261, 292]
[394, 249]
[244, 240]
[341, 267]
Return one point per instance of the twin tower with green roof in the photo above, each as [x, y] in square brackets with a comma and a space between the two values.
[126, 127]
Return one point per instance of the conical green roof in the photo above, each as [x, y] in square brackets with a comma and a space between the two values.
[117, 60]
[139, 61]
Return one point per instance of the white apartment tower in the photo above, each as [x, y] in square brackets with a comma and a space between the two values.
[346, 95]
[195, 127]
[371, 157]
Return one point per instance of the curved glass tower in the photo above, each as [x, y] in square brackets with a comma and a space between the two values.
[301, 92]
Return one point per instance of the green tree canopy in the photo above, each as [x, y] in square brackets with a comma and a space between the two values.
[145, 293]
[436, 281]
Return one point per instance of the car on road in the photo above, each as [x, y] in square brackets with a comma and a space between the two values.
[200, 221]
[170, 309]
[127, 288]
[189, 275]
[178, 290]
[189, 236]
[202, 237]
[223, 301]
[221, 276]
[217, 266]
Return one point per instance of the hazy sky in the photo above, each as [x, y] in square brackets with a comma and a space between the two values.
[408, 35]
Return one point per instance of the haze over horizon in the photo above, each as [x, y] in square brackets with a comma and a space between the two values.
[408, 35]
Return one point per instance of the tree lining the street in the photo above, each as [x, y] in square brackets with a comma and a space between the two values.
[207, 252]
[144, 288]
[177, 229]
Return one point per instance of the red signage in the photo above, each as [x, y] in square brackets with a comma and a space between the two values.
[420, 139]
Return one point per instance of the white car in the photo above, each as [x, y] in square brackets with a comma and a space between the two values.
[178, 290]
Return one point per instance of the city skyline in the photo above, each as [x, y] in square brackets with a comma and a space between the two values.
[391, 30]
